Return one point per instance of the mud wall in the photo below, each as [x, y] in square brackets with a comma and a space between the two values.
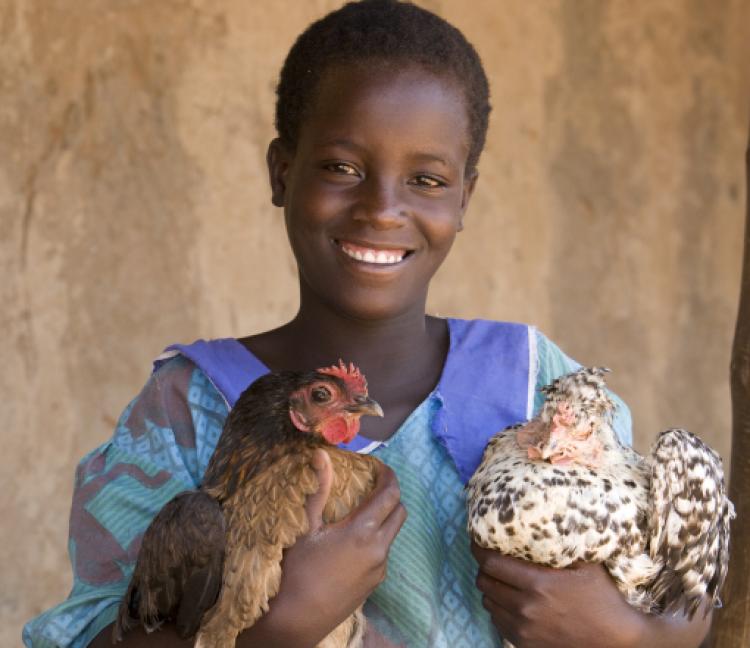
[134, 212]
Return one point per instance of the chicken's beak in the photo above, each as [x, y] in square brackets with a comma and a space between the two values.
[552, 447]
[549, 449]
[365, 406]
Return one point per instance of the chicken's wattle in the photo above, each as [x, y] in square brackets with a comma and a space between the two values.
[340, 429]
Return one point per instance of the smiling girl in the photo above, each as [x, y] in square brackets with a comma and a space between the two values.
[382, 113]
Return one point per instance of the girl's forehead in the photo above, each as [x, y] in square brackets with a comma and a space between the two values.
[411, 102]
[360, 81]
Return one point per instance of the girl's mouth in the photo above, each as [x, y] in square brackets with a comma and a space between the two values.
[376, 256]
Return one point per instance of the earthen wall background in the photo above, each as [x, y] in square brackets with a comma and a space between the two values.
[134, 212]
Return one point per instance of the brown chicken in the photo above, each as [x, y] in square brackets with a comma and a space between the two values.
[211, 559]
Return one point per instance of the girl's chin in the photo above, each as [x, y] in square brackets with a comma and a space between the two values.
[376, 310]
[362, 300]
[368, 304]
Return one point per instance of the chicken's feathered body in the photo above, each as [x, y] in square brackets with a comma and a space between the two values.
[660, 524]
[265, 515]
[211, 559]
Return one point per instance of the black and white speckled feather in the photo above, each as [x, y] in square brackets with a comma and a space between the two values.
[689, 523]
[660, 524]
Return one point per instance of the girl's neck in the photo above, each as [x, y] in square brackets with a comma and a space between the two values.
[402, 356]
[320, 334]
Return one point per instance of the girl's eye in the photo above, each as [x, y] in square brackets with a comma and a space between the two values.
[428, 182]
[321, 394]
[342, 168]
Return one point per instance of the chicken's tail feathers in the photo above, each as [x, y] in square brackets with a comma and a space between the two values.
[689, 524]
[201, 592]
[178, 573]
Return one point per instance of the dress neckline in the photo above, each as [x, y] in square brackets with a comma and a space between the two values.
[487, 382]
[361, 443]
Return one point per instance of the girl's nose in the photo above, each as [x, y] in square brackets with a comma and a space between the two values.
[380, 204]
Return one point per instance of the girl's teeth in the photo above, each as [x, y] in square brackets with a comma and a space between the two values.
[370, 256]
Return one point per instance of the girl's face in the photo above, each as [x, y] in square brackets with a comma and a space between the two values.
[376, 190]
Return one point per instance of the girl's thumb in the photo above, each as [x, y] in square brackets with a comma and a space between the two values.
[316, 502]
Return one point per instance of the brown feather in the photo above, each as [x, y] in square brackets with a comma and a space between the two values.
[264, 517]
[178, 572]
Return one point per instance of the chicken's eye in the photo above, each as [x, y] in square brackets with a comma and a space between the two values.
[321, 394]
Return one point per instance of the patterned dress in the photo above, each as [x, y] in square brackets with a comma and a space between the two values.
[165, 437]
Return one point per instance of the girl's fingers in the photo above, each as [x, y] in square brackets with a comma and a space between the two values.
[316, 502]
[393, 523]
[501, 594]
[515, 572]
[502, 602]
[504, 621]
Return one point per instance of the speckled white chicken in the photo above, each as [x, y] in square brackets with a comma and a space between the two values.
[562, 488]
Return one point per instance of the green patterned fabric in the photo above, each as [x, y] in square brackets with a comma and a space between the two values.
[429, 597]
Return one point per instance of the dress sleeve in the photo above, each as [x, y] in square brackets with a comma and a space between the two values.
[552, 363]
[160, 447]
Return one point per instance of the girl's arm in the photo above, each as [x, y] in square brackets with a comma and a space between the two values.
[326, 575]
[158, 447]
[540, 607]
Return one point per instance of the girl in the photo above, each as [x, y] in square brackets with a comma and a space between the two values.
[381, 116]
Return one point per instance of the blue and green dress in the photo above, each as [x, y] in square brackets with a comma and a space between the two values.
[166, 435]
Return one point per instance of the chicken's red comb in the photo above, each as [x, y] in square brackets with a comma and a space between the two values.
[350, 375]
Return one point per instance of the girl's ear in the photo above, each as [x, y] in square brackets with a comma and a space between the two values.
[470, 182]
[278, 160]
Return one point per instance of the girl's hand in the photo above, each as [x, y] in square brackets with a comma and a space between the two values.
[540, 607]
[536, 606]
[332, 569]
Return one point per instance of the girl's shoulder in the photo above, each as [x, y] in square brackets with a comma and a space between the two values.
[226, 363]
[170, 427]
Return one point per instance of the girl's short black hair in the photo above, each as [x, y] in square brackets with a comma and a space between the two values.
[381, 33]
